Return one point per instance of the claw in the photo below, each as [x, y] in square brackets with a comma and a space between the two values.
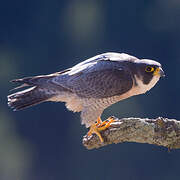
[100, 126]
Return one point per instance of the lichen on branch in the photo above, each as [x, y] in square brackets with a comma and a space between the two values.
[160, 131]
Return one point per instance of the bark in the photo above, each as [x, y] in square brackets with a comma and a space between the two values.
[160, 131]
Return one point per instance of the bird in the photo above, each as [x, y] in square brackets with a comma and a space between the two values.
[90, 86]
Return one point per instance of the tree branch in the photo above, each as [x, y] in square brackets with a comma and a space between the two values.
[161, 131]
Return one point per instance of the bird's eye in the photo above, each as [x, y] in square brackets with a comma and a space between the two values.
[149, 69]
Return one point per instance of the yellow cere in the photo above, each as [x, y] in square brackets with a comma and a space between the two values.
[156, 72]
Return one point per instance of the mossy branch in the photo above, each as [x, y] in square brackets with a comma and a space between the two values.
[160, 131]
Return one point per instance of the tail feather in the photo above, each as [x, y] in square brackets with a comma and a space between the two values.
[28, 97]
[42, 89]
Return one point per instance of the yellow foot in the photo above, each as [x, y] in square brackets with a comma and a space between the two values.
[100, 126]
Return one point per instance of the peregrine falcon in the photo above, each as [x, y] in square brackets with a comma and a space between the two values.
[90, 86]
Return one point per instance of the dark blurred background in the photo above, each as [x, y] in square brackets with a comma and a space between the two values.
[41, 37]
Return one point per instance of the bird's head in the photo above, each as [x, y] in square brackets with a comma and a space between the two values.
[147, 73]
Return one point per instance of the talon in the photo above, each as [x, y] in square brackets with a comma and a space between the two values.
[94, 130]
[99, 121]
[105, 124]
[100, 126]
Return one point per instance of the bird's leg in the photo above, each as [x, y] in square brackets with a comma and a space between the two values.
[105, 124]
[99, 121]
[100, 126]
[94, 130]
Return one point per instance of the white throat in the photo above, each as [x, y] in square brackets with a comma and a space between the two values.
[143, 88]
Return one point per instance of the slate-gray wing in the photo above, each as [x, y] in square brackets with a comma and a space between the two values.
[99, 84]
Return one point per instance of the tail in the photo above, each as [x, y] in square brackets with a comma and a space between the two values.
[29, 97]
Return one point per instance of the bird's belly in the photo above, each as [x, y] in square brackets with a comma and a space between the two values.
[106, 102]
[103, 103]
[111, 100]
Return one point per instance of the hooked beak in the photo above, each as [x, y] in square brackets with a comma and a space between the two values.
[159, 72]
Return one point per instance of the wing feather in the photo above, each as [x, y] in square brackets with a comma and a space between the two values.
[98, 84]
